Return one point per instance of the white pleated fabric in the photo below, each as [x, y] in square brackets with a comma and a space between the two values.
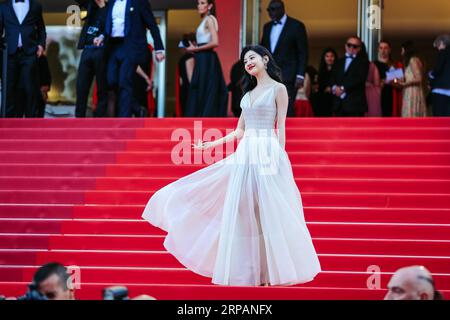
[240, 220]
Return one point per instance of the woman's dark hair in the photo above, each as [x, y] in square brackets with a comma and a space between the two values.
[323, 65]
[410, 52]
[213, 10]
[249, 82]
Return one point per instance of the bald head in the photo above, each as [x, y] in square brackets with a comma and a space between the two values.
[411, 283]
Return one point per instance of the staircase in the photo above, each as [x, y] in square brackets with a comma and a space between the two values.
[376, 194]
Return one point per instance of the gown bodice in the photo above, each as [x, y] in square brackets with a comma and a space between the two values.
[204, 36]
[260, 112]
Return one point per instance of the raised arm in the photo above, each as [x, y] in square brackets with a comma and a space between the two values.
[238, 133]
[282, 101]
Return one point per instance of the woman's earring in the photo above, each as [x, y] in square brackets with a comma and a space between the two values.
[265, 65]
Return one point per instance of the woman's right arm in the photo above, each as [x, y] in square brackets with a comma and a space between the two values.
[238, 133]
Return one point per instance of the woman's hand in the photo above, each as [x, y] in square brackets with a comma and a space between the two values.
[192, 48]
[398, 83]
[202, 145]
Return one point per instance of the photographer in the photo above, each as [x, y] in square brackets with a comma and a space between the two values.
[51, 282]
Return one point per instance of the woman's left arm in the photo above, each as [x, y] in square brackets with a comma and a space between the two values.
[282, 101]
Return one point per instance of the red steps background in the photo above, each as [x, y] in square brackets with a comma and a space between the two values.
[375, 191]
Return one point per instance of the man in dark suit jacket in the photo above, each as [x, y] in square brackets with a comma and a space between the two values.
[287, 40]
[44, 80]
[25, 35]
[440, 77]
[92, 61]
[349, 81]
[126, 27]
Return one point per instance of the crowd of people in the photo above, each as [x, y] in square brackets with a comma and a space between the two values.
[351, 86]
[385, 88]
[53, 281]
[116, 54]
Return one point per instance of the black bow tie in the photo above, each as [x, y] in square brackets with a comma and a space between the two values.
[17, 1]
[275, 22]
[350, 57]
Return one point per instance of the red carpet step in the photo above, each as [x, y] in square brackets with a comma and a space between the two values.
[376, 192]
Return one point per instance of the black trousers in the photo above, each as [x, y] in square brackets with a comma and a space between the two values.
[92, 64]
[342, 113]
[292, 91]
[441, 105]
[40, 102]
[121, 72]
[23, 81]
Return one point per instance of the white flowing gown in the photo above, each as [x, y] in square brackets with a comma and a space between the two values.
[240, 220]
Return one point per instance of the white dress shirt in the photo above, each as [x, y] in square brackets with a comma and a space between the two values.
[118, 18]
[276, 33]
[348, 60]
[21, 9]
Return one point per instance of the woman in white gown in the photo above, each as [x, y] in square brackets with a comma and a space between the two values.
[240, 220]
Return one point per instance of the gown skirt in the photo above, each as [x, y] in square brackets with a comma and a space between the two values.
[208, 92]
[240, 220]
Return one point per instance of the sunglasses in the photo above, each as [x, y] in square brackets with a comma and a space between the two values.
[354, 46]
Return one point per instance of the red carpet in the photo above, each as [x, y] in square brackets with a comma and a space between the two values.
[376, 193]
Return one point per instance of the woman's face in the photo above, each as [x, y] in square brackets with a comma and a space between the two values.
[203, 7]
[254, 63]
[330, 58]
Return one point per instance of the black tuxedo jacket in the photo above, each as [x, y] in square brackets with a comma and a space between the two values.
[32, 29]
[291, 52]
[138, 18]
[354, 83]
[441, 71]
[91, 8]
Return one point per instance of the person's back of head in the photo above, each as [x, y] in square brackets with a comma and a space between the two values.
[412, 283]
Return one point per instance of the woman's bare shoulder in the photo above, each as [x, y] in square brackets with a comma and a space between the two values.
[212, 21]
[280, 87]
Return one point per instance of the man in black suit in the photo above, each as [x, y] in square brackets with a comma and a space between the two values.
[44, 80]
[287, 40]
[440, 77]
[92, 61]
[126, 27]
[349, 81]
[25, 35]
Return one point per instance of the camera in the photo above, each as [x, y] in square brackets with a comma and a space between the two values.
[33, 294]
[115, 293]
